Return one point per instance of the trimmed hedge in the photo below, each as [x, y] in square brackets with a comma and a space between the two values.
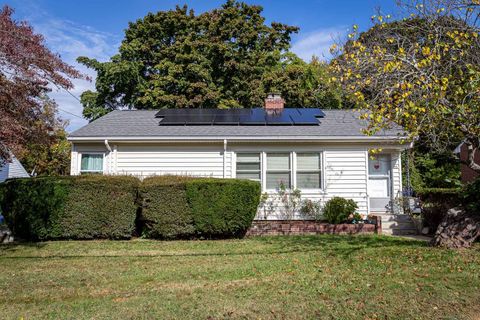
[85, 207]
[165, 210]
[223, 207]
[116, 207]
[186, 207]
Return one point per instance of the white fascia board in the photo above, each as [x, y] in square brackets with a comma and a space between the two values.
[344, 139]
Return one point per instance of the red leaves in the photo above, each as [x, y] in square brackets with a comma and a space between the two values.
[27, 68]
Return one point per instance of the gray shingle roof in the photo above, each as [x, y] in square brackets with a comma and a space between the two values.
[142, 123]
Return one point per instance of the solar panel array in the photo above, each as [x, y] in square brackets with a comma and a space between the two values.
[256, 116]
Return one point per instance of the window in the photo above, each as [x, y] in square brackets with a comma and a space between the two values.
[308, 171]
[248, 166]
[278, 170]
[91, 163]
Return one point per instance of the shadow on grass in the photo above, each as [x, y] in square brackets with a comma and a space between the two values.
[343, 246]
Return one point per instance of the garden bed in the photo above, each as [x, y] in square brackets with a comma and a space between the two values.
[305, 227]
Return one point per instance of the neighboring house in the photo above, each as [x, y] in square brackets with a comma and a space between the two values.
[324, 154]
[12, 169]
[467, 174]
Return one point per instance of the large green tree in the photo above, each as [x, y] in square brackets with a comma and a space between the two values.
[178, 59]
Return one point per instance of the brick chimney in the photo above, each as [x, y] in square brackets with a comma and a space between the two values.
[274, 103]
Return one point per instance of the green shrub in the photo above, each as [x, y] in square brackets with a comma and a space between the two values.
[223, 207]
[471, 197]
[84, 207]
[435, 204]
[165, 210]
[337, 209]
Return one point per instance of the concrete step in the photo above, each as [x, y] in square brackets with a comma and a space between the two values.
[400, 232]
[396, 217]
[397, 224]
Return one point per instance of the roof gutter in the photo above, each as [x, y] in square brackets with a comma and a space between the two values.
[238, 138]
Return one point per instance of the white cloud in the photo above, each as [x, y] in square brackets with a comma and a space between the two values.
[71, 40]
[317, 43]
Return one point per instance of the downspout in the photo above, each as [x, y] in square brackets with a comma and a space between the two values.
[109, 169]
[108, 146]
[224, 158]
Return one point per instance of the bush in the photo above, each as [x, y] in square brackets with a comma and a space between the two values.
[337, 209]
[435, 203]
[222, 207]
[165, 210]
[84, 207]
[471, 197]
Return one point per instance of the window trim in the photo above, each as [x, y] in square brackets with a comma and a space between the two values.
[290, 169]
[259, 171]
[320, 170]
[80, 156]
[293, 168]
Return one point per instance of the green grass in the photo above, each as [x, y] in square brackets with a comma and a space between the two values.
[312, 277]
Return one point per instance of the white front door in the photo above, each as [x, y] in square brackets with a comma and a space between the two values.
[379, 182]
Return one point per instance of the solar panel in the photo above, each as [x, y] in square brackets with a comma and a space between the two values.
[255, 116]
[173, 121]
[301, 118]
[227, 118]
[279, 119]
[313, 112]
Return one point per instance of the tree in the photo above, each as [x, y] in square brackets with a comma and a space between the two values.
[47, 152]
[303, 84]
[28, 69]
[421, 72]
[178, 59]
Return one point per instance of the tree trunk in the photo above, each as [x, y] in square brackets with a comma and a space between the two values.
[457, 230]
[472, 146]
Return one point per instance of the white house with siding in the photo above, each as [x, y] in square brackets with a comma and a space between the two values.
[12, 169]
[324, 157]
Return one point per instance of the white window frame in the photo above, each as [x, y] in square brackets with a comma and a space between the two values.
[320, 171]
[293, 168]
[80, 155]
[290, 170]
[250, 171]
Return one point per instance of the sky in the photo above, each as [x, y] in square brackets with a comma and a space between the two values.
[95, 28]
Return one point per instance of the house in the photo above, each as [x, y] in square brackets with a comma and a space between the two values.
[466, 174]
[321, 152]
[12, 169]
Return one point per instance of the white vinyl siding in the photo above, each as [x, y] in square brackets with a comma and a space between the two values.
[278, 170]
[149, 160]
[342, 169]
[12, 169]
[3, 172]
[345, 176]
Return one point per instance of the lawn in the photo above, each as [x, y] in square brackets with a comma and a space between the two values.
[326, 277]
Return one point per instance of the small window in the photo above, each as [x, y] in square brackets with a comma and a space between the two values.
[248, 166]
[379, 165]
[91, 163]
[308, 171]
[278, 170]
